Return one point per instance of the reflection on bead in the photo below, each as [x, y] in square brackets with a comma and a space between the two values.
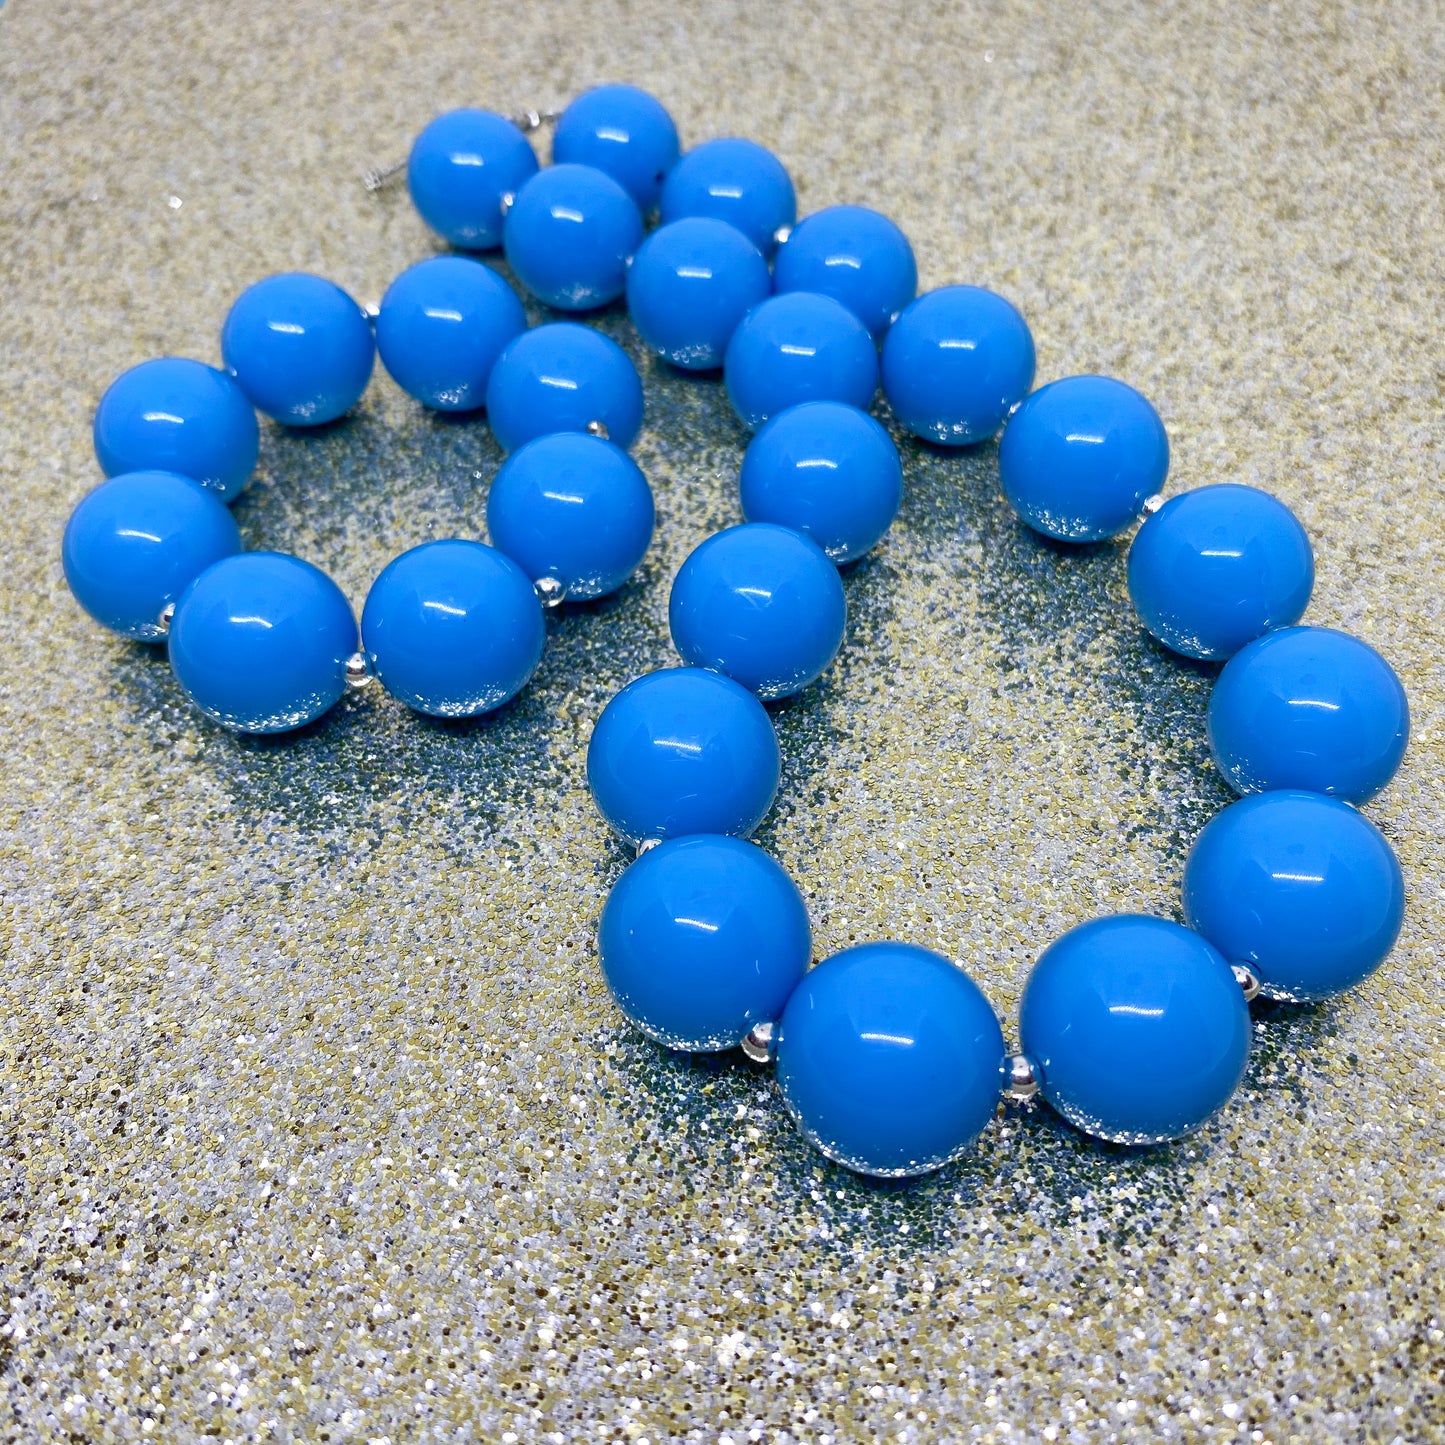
[624, 132]
[736, 181]
[855, 255]
[461, 166]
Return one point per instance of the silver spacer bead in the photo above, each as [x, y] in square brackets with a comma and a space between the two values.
[358, 670]
[760, 1043]
[380, 177]
[551, 590]
[647, 845]
[371, 311]
[507, 201]
[1023, 1079]
[1248, 981]
[168, 613]
[598, 429]
[781, 235]
[528, 120]
[1152, 504]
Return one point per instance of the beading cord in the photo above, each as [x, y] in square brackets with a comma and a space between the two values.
[1134, 1028]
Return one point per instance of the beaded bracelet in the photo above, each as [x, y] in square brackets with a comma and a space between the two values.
[1136, 1029]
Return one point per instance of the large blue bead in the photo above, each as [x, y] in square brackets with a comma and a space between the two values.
[460, 168]
[683, 751]
[890, 1059]
[260, 642]
[855, 255]
[176, 415]
[442, 325]
[574, 508]
[702, 938]
[1312, 708]
[1215, 568]
[453, 628]
[1301, 887]
[624, 132]
[689, 286]
[736, 181]
[300, 348]
[761, 603]
[1137, 1027]
[825, 469]
[136, 542]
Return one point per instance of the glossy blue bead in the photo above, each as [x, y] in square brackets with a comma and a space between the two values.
[460, 167]
[827, 470]
[135, 543]
[1215, 568]
[299, 347]
[795, 348]
[1300, 887]
[761, 603]
[574, 508]
[683, 751]
[701, 938]
[562, 377]
[442, 325]
[736, 181]
[890, 1059]
[1312, 708]
[260, 641]
[854, 255]
[624, 132]
[690, 285]
[176, 415]
[453, 628]
[1137, 1027]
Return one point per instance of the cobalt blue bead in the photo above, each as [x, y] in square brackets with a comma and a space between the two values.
[260, 641]
[736, 181]
[1137, 1028]
[453, 628]
[689, 285]
[460, 167]
[135, 543]
[701, 938]
[890, 1059]
[1312, 708]
[1217, 567]
[683, 751]
[299, 347]
[761, 603]
[854, 255]
[827, 470]
[623, 132]
[176, 415]
[441, 327]
[1300, 887]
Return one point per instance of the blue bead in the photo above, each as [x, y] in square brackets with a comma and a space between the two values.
[890, 1059]
[574, 508]
[683, 751]
[761, 603]
[623, 132]
[460, 167]
[701, 938]
[1298, 886]
[563, 377]
[1081, 456]
[175, 415]
[736, 181]
[569, 236]
[442, 325]
[1215, 568]
[135, 543]
[260, 642]
[689, 285]
[1137, 1027]
[795, 348]
[955, 363]
[453, 628]
[825, 469]
[1312, 708]
[300, 348]
[854, 255]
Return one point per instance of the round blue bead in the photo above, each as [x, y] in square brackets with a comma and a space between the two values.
[135, 543]
[460, 167]
[1081, 456]
[300, 348]
[795, 348]
[1300, 887]
[702, 938]
[442, 325]
[1138, 1028]
[736, 181]
[574, 508]
[1215, 568]
[890, 1059]
[762, 604]
[260, 642]
[175, 415]
[825, 469]
[683, 751]
[854, 255]
[453, 628]
[623, 132]
[1309, 707]
[689, 285]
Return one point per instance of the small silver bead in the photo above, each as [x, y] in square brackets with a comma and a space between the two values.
[598, 429]
[508, 199]
[551, 590]
[358, 670]
[647, 845]
[371, 311]
[781, 235]
[760, 1043]
[1248, 981]
[1023, 1079]
[1152, 504]
[168, 613]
